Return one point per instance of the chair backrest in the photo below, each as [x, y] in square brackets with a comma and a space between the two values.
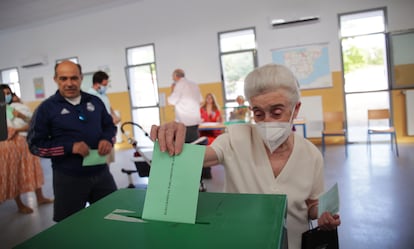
[379, 114]
[333, 120]
[379, 117]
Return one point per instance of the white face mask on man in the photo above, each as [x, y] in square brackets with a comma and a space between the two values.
[275, 133]
[102, 89]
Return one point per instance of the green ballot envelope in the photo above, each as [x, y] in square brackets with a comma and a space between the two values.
[329, 201]
[93, 159]
[173, 185]
[9, 112]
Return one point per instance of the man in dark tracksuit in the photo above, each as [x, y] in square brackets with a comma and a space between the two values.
[66, 127]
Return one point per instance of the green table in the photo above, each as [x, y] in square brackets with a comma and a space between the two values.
[223, 221]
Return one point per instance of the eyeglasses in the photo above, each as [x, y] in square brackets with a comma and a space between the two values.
[81, 115]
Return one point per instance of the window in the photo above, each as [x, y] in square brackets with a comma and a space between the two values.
[364, 51]
[11, 77]
[143, 88]
[402, 61]
[364, 60]
[237, 59]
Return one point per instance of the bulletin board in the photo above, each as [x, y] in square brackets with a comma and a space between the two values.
[402, 59]
[409, 101]
[312, 111]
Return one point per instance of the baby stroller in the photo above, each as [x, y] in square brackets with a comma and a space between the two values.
[142, 154]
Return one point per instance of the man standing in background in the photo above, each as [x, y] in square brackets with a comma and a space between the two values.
[67, 127]
[100, 82]
[186, 98]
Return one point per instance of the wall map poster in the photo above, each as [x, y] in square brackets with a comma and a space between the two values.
[309, 63]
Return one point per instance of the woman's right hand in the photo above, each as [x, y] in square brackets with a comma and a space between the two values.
[11, 133]
[170, 136]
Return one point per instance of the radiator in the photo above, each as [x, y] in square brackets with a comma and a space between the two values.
[409, 101]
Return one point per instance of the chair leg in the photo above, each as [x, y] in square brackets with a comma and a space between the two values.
[323, 145]
[369, 143]
[395, 143]
[346, 148]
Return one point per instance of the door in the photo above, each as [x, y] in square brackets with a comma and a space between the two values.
[364, 60]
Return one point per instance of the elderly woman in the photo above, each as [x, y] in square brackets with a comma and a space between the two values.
[267, 157]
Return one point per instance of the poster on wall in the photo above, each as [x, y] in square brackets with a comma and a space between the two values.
[39, 88]
[309, 63]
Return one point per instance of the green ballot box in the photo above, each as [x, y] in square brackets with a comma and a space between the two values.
[222, 221]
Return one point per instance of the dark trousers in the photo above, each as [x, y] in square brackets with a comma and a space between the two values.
[191, 133]
[73, 192]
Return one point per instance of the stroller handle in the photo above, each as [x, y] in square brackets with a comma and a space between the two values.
[132, 123]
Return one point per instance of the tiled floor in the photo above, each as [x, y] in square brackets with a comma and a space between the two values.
[377, 197]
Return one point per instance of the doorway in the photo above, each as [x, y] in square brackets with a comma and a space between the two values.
[364, 60]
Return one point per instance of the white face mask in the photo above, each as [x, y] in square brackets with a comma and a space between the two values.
[274, 134]
[102, 89]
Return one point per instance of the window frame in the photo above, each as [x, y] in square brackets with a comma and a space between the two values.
[12, 84]
[153, 69]
[231, 102]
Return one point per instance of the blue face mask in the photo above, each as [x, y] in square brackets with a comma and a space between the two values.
[102, 89]
[8, 98]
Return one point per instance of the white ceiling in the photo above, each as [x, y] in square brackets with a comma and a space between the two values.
[15, 14]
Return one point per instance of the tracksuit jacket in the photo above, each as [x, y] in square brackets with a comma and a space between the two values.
[57, 124]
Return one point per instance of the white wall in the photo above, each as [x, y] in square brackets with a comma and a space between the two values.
[184, 33]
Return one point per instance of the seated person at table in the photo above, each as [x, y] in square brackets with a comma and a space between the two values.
[239, 112]
[266, 157]
[210, 112]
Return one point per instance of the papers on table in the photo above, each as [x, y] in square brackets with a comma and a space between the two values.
[329, 201]
[211, 124]
[173, 185]
[123, 215]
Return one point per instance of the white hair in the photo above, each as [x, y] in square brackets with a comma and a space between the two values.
[269, 78]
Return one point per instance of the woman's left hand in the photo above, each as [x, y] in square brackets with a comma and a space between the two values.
[327, 221]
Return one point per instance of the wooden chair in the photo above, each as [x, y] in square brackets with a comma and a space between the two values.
[334, 126]
[375, 127]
